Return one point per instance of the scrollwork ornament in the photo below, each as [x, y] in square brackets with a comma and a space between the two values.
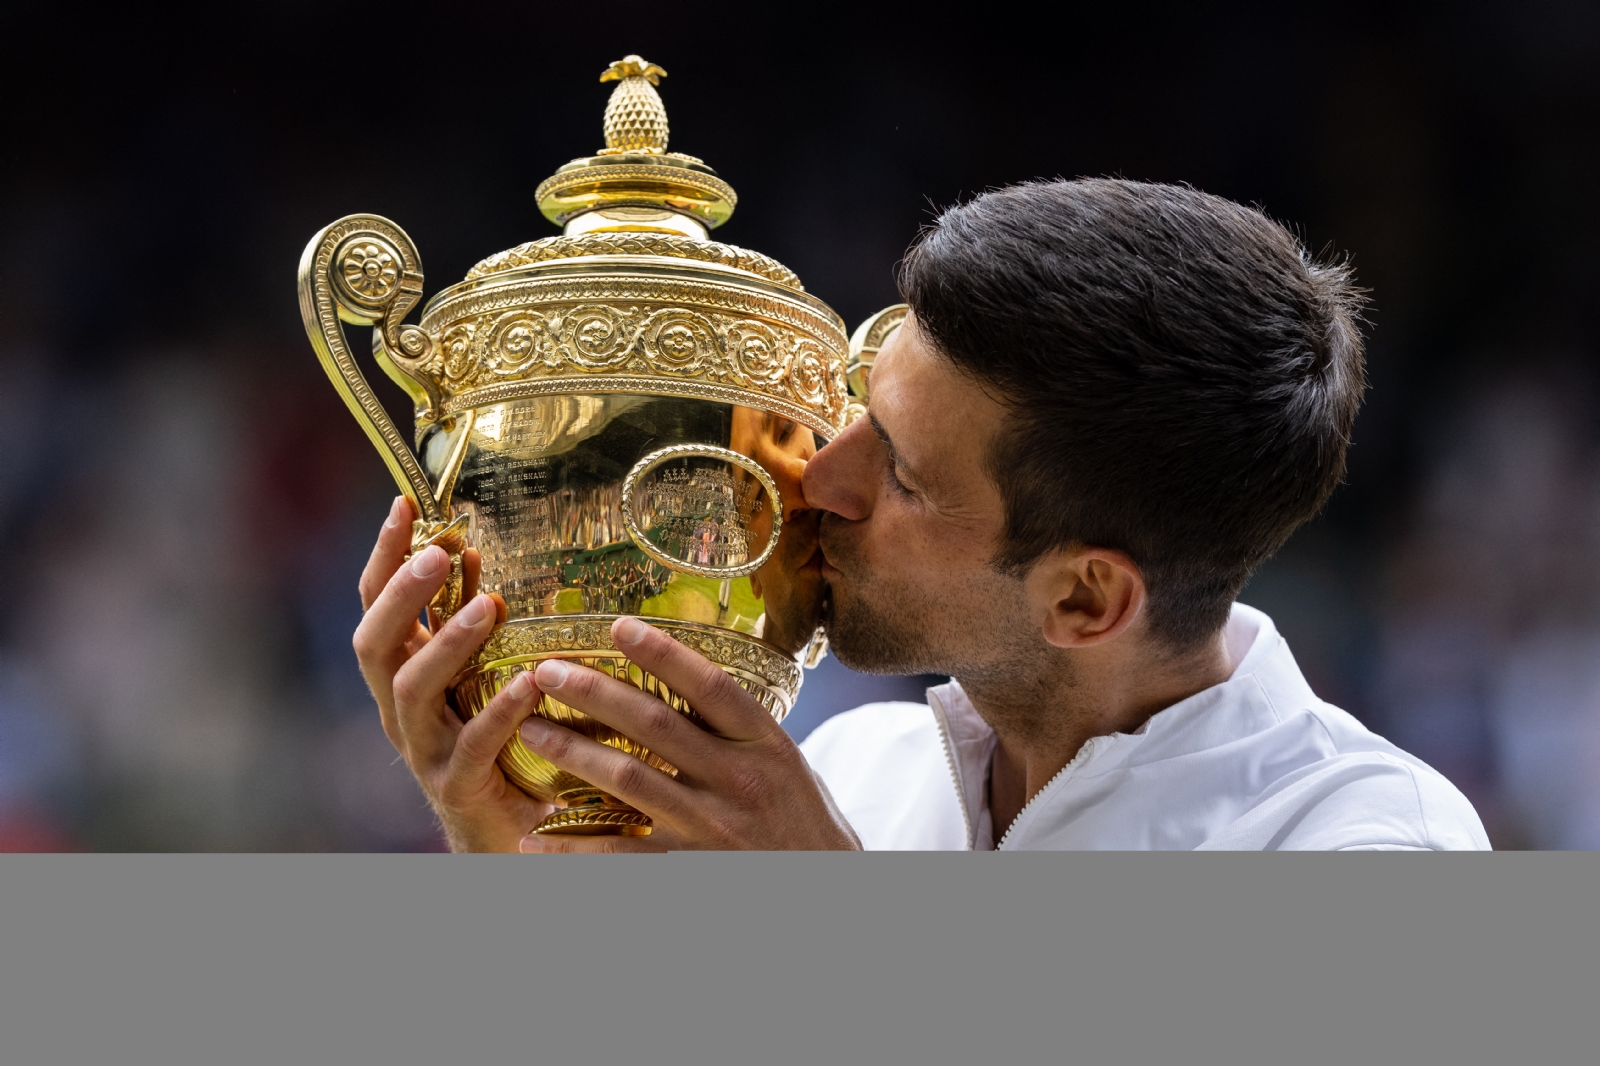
[838, 386]
[459, 360]
[757, 352]
[540, 637]
[598, 337]
[414, 343]
[518, 339]
[678, 341]
[808, 375]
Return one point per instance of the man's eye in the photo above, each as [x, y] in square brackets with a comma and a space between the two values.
[896, 484]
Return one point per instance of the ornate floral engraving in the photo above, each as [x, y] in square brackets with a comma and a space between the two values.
[546, 636]
[758, 352]
[601, 338]
[370, 269]
[516, 340]
[457, 346]
[679, 341]
[694, 337]
[809, 376]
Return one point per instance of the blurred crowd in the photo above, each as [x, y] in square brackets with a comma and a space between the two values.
[1470, 632]
[185, 505]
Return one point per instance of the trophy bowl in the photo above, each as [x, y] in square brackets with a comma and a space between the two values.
[610, 421]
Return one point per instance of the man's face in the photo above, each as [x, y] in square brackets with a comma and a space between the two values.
[913, 520]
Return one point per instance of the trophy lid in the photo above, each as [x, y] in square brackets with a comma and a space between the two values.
[632, 297]
[634, 184]
[633, 197]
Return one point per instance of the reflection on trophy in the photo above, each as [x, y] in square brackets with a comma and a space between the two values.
[614, 420]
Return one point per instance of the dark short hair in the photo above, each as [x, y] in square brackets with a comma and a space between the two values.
[1182, 375]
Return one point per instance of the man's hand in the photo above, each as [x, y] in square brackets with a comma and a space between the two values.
[742, 784]
[408, 668]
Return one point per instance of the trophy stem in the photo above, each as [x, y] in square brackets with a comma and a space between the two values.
[590, 812]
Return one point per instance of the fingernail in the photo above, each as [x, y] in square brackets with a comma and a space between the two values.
[472, 614]
[426, 562]
[530, 844]
[628, 630]
[521, 686]
[534, 730]
[552, 673]
[394, 513]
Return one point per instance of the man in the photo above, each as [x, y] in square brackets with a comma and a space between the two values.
[1111, 402]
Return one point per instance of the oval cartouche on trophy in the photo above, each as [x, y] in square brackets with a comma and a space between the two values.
[703, 510]
[614, 420]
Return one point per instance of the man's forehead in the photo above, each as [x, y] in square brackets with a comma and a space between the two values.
[932, 411]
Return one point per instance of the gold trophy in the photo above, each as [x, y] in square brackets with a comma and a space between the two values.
[615, 419]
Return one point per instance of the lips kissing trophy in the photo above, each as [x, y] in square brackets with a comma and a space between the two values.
[613, 420]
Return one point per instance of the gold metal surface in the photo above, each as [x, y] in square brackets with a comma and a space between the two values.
[615, 419]
[702, 519]
[634, 183]
[865, 343]
[672, 246]
[636, 119]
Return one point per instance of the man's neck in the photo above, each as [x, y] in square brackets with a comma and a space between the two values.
[1041, 727]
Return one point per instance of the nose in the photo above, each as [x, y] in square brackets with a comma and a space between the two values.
[839, 477]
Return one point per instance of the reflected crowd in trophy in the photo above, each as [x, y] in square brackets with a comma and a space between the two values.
[185, 504]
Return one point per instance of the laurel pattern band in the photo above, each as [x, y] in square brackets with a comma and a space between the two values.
[543, 251]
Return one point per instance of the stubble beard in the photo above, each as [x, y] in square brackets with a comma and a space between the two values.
[869, 621]
[971, 628]
[909, 623]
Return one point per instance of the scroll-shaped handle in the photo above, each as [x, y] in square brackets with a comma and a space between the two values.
[364, 270]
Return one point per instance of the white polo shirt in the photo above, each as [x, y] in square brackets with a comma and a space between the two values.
[1257, 763]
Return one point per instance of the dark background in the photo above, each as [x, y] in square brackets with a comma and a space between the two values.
[185, 504]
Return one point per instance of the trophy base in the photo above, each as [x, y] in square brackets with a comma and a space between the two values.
[590, 812]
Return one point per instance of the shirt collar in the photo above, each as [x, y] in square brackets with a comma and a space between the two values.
[1265, 680]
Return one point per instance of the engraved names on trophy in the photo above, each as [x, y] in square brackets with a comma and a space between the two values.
[546, 505]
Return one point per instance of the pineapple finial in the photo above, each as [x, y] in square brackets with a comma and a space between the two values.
[636, 120]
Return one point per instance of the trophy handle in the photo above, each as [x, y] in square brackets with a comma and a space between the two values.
[364, 270]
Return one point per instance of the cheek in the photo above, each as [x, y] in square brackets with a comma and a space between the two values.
[902, 537]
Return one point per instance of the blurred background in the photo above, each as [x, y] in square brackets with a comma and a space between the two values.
[185, 504]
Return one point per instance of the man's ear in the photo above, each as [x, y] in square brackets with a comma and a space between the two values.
[1087, 595]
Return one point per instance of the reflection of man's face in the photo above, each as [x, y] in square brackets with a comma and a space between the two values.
[911, 519]
[790, 582]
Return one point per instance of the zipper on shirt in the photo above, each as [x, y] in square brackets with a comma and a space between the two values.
[1077, 760]
[942, 719]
